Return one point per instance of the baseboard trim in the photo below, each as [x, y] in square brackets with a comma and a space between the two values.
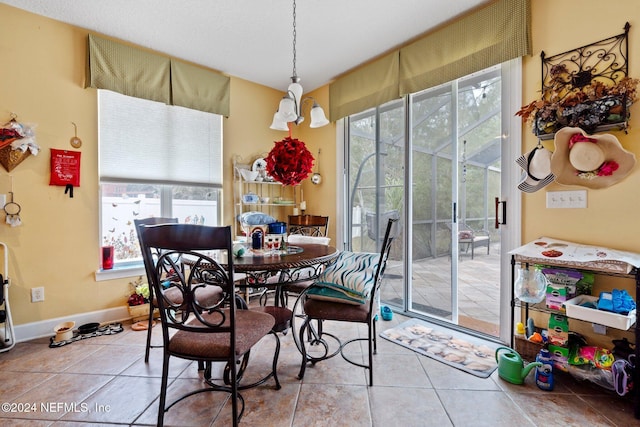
[44, 328]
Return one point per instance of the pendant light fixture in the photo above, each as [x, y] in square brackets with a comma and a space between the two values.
[290, 108]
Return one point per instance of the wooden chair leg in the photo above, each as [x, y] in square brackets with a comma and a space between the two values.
[149, 328]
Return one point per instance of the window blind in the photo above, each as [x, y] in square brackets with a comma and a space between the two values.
[147, 141]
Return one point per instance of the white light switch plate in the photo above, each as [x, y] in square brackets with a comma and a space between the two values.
[567, 199]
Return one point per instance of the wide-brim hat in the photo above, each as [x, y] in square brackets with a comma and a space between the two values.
[594, 161]
[537, 169]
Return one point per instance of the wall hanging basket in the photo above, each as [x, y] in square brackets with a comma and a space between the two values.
[10, 158]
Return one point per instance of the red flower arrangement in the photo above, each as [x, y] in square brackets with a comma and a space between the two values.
[289, 161]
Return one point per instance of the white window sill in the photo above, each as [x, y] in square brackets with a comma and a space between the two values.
[120, 272]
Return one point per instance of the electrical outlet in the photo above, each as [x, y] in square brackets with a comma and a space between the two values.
[37, 294]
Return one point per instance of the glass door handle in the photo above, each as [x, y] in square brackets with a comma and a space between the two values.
[504, 212]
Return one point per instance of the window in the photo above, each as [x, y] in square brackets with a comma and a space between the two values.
[155, 160]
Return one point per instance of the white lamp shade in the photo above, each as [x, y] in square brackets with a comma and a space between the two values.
[287, 110]
[318, 118]
[278, 124]
[296, 89]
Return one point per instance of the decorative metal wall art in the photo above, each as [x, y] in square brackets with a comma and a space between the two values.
[587, 87]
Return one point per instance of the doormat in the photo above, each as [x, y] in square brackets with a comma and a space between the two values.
[459, 350]
[110, 329]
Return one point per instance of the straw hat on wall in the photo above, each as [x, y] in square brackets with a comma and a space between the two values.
[594, 161]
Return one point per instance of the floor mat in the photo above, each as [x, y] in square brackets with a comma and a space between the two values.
[110, 329]
[467, 353]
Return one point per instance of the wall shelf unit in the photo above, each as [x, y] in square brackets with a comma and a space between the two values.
[260, 194]
[603, 262]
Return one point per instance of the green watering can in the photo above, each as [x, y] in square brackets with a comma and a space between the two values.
[511, 367]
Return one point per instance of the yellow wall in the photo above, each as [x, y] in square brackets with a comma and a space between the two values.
[57, 245]
[611, 215]
[247, 134]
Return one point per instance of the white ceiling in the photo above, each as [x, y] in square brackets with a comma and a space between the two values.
[253, 39]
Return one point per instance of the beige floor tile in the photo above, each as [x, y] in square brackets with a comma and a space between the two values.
[25, 423]
[443, 376]
[407, 407]
[483, 408]
[266, 407]
[343, 405]
[59, 395]
[565, 407]
[110, 377]
[194, 411]
[41, 358]
[119, 401]
[14, 385]
[399, 370]
[108, 360]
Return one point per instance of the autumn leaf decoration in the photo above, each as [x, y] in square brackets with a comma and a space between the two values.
[289, 161]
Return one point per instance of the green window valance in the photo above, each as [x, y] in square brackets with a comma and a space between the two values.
[493, 34]
[371, 85]
[142, 74]
[199, 89]
[488, 36]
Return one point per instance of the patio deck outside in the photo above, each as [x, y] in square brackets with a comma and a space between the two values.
[478, 292]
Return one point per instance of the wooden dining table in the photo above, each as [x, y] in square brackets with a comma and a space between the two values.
[271, 270]
[265, 269]
[300, 262]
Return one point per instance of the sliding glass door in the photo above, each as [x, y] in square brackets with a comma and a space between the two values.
[376, 191]
[434, 160]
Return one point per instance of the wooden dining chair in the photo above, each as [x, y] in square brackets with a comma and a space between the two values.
[345, 292]
[308, 225]
[193, 329]
[298, 225]
[208, 295]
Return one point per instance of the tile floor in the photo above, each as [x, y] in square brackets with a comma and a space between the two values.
[104, 381]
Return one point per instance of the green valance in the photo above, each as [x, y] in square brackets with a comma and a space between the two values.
[496, 33]
[128, 70]
[143, 74]
[488, 36]
[369, 86]
[199, 89]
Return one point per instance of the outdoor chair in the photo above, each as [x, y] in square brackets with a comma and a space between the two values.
[468, 238]
[193, 329]
[378, 235]
[347, 291]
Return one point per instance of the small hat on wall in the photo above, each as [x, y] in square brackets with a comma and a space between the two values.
[537, 169]
[594, 161]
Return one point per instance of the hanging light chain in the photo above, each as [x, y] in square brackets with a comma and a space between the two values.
[295, 74]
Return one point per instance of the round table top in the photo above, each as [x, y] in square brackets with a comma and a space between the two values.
[311, 254]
